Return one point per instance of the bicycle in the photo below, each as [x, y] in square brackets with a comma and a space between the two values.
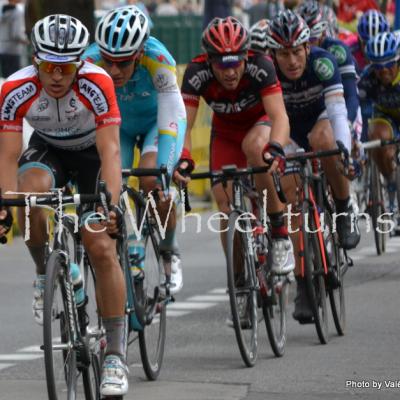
[146, 302]
[251, 282]
[323, 261]
[73, 343]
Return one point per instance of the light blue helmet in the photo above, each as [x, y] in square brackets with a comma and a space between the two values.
[371, 23]
[122, 32]
[383, 47]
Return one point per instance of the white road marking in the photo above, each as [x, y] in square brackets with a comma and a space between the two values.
[4, 366]
[218, 291]
[19, 357]
[176, 313]
[31, 349]
[209, 298]
[187, 305]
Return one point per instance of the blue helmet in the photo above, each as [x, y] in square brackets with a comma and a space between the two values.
[122, 32]
[383, 47]
[371, 23]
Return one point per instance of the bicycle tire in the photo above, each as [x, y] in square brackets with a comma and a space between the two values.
[236, 240]
[338, 267]
[149, 306]
[377, 209]
[314, 273]
[94, 335]
[274, 311]
[59, 372]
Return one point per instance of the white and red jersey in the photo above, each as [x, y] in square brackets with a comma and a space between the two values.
[69, 122]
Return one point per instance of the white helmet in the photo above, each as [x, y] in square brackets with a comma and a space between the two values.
[258, 36]
[122, 32]
[59, 35]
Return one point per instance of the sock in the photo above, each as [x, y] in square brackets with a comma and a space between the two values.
[38, 254]
[342, 205]
[278, 227]
[116, 336]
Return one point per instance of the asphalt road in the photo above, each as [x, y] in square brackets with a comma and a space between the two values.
[202, 361]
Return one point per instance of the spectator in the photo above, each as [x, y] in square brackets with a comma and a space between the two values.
[167, 8]
[13, 40]
[216, 8]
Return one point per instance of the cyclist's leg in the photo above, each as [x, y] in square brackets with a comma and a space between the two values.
[39, 171]
[110, 284]
[383, 127]
[281, 254]
[150, 158]
[321, 138]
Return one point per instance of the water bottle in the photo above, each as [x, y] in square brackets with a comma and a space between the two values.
[76, 278]
[136, 252]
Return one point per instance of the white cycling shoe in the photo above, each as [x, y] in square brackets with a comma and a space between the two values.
[176, 282]
[114, 379]
[281, 256]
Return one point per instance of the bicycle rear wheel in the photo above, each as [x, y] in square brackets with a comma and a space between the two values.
[242, 288]
[59, 331]
[377, 209]
[274, 310]
[314, 273]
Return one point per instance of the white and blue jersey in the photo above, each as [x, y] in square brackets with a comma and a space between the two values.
[152, 110]
[305, 97]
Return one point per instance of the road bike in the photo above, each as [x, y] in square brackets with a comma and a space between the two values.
[251, 282]
[73, 334]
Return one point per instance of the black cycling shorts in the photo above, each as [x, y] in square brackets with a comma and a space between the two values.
[82, 168]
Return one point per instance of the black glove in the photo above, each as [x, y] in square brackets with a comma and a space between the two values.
[277, 153]
[120, 215]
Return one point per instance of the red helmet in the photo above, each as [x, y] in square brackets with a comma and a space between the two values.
[225, 39]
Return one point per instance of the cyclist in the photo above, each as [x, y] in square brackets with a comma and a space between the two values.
[311, 11]
[249, 119]
[380, 85]
[152, 111]
[258, 36]
[72, 107]
[313, 94]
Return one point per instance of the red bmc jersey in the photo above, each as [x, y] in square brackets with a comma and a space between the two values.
[235, 111]
[69, 122]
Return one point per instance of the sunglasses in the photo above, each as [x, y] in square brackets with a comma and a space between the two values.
[228, 65]
[387, 65]
[121, 64]
[63, 68]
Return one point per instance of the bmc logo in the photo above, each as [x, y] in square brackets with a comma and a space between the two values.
[15, 99]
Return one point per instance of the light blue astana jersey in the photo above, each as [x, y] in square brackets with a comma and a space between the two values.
[151, 105]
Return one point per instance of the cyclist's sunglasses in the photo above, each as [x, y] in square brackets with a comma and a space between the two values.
[63, 68]
[124, 63]
[387, 65]
[228, 65]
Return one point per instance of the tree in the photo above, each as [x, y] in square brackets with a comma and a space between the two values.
[81, 9]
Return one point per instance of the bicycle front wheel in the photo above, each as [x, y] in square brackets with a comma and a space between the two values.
[314, 272]
[242, 288]
[152, 337]
[59, 331]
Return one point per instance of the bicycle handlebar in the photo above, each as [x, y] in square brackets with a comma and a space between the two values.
[103, 197]
[372, 144]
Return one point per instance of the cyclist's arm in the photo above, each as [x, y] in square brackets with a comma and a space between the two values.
[10, 150]
[107, 143]
[191, 113]
[275, 109]
[337, 113]
[351, 96]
